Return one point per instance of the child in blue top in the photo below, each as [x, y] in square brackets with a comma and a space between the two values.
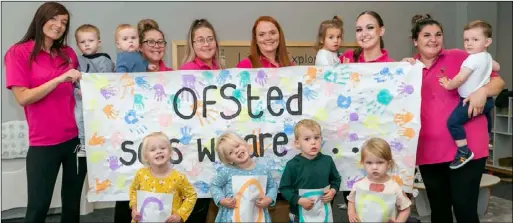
[129, 59]
[233, 151]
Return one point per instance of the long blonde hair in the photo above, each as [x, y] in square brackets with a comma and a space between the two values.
[336, 22]
[189, 49]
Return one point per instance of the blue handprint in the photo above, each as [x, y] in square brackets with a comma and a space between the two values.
[279, 102]
[261, 77]
[382, 75]
[343, 101]
[138, 102]
[208, 77]
[186, 135]
[399, 71]
[288, 127]
[244, 79]
[202, 186]
[142, 83]
[223, 76]
[309, 94]
[131, 117]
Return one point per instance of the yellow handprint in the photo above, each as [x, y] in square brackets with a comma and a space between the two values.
[91, 104]
[121, 181]
[99, 81]
[321, 114]
[96, 156]
[372, 122]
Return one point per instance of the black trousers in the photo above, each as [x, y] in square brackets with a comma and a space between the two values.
[123, 213]
[43, 163]
[457, 188]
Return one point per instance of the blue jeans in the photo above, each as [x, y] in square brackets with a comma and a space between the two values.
[459, 117]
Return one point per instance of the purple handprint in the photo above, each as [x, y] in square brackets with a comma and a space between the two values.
[396, 145]
[353, 117]
[108, 91]
[189, 81]
[353, 137]
[159, 92]
[405, 88]
[350, 182]
[261, 77]
[114, 163]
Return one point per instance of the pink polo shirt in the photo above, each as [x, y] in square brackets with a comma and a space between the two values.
[162, 67]
[198, 64]
[246, 63]
[51, 120]
[435, 143]
[349, 54]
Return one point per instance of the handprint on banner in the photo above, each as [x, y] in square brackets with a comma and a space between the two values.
[160, 93]
[396, 145]
[202, 186]
[195, 170]
[372, 122]
[239, 95]
[339, 75]
[288, 126]
[164, 120]
[383, 75]
[286, 84]
[91, 104]
[244, 79]
[199, 113]
[353, 117]
[189, 81]
[353, 137]
[132, 119]
[355, 78]
[343, 101]
[128, 83]
[142, 83]
[172, 98]
[410, 160]
[121, 181]
[309, 94]
[311, 74]
[398, 178]
[99, 81]
[260, 108]
[405, 89]
[329, 88]
[379, 105]
[96, 156]
[321, 114]
[186, 135]
[256, 132]
[402, 119]
[399, 71]
[261, 78]
[107, 92]
[351, 180]
[101, 185]
[409, 133]
[96, 140]
[223, 76]
[116, 139]
[208, 77]
[138, 102]
[114, 163]
[109, 111]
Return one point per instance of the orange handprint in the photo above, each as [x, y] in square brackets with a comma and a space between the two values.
[128, 83]
[355, 78]
[96, 140]
[199, 113]
[401, 119]
[407, 132]
[109, 112]
[101, 186]
[311, 74]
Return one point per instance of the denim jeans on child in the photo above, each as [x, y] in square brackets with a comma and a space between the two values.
[459, 117]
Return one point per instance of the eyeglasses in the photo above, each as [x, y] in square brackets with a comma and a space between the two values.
[153, 43]
[202, 41]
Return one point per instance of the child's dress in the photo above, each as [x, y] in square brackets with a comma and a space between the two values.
[221, 187]
[389, 187]
[176, 183]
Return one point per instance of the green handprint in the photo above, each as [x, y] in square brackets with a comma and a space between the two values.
[208, 77]
[172, 98]
[244, 79]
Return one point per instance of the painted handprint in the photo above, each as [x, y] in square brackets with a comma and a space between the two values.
[138, 102]
[405, 89]
[142, 83]
[164, 120]
[399, 71]
[261, 78]
[96, 140]
[109, 111]
[195, 170]
[396, 145]
[244, 80]
[329, 88]
[202, 186]
[189, 81]
[223, 76]
[199, 113]
[383, 99]
[114, 163]
[208, 77]
[311, 74]
[355, 78]
[128, 83]
[339, 75]
[353, 137]
[350, 181]
[172, 98]
[239, 94]
[372, 122]
[99, 81]
[342, 130]
[409, 133]
[353, 117]
[343, 101]
[159, 92]
[132, 119]
[116, 139]
[401, 119]
[288, 126]
[309, 94]
[108, 91]
[186, 135]
[383, 75]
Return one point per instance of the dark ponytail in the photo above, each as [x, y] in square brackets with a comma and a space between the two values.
[419, 21]
[358, 51]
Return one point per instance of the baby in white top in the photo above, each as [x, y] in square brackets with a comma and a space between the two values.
[329, 40]
[474, 73]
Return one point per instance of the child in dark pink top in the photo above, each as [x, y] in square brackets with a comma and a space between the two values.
[40, 71]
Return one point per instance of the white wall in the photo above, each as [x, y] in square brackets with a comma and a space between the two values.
[233, 21]
[502, 40]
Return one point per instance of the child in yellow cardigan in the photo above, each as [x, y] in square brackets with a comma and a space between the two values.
[158, 177]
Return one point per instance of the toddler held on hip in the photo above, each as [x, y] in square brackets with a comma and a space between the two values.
[129, 59]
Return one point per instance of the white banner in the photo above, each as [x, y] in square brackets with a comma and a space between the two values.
[352, 102]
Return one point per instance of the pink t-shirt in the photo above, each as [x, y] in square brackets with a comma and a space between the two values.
[349, 55]
[162, 67]
[435, 142]
[246, 63]
[198, 64]
[51, 120]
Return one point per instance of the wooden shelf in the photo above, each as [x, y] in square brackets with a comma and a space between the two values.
[502, 139]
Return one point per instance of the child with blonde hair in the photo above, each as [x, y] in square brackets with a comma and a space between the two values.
[159, 177]
[329, 39]
[376, 157]
[234, 153]
[129, 59]
[308, 170]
